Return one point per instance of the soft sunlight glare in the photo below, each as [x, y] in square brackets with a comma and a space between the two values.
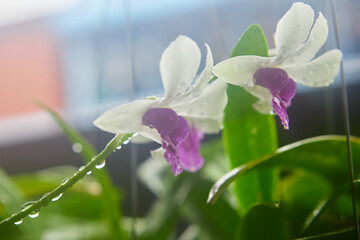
[15, 11]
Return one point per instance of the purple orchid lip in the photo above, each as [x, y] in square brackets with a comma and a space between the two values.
[188, 150]
[181, 144]
[281, 87]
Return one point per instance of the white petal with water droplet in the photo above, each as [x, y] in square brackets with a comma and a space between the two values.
[320, 72]
[307, 51]
[240, 70]
[125, 118]
[293, 29]
[179, 64]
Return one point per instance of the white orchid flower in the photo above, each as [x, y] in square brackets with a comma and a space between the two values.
[179, 119]
[272, 79]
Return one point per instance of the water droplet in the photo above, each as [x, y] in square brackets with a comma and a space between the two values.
[88, 173]
[135, 134]
[118, 147]
[64, 181]
[18, 222]
[77, 147]
[57, 198]
[100, 165]
[81, 168]
[126, 142]
[34, 214]
[28, 204]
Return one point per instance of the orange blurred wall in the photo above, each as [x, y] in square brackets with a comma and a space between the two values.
[29, 69]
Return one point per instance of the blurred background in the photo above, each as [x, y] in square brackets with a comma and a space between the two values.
[82, 57]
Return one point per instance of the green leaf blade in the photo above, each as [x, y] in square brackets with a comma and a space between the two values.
[324, 155]
[248, 135]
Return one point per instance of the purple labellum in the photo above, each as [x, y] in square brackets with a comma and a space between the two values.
[188, 150]
[173, 130]
[281, 87]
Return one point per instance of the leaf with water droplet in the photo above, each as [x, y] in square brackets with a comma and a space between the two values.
[64, 181]
[57, 198]
[101, 165]
[18, 222]
[34, 214]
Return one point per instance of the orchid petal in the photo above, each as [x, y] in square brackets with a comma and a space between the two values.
[263, 106]
[189, 151]
[210, 105]
[317, 38]
[239, 70]
[178, 65]
[126, 118]
[207, 125]
[260, 92]
[293, 29]
[202, 81]
[148, 133]
[320, 72]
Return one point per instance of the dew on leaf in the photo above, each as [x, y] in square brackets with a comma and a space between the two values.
[34, 214]
[57, 198]
[18, 222]
[100, 165]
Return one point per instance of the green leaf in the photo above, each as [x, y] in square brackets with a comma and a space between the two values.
[109, 196]
[326, 203]
[264, 221]
[248, 135]
[11, 200]
[336, 235]
[324, 155]
[301, 192]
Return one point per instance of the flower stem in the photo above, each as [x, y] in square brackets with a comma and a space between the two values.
[44, 201]
[347, 121]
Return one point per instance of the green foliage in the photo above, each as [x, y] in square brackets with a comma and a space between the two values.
[247, 134]
[266, 222]
[109, 195]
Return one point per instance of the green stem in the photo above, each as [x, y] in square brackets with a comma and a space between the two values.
[44, 201]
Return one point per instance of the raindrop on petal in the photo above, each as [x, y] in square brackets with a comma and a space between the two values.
[57, 198]
[100, 165]
[34, 214]
[77, 147]
[18, 222]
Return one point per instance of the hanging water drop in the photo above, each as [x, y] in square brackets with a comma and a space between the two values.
[81, 168]
[18, 222]
[126, 142]
[88, 173]
[135, 134]
[118, 147]
[100, 165]
[77, 147]
[64, 181]
[57, 198]
[26, 205]
[34, 214]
